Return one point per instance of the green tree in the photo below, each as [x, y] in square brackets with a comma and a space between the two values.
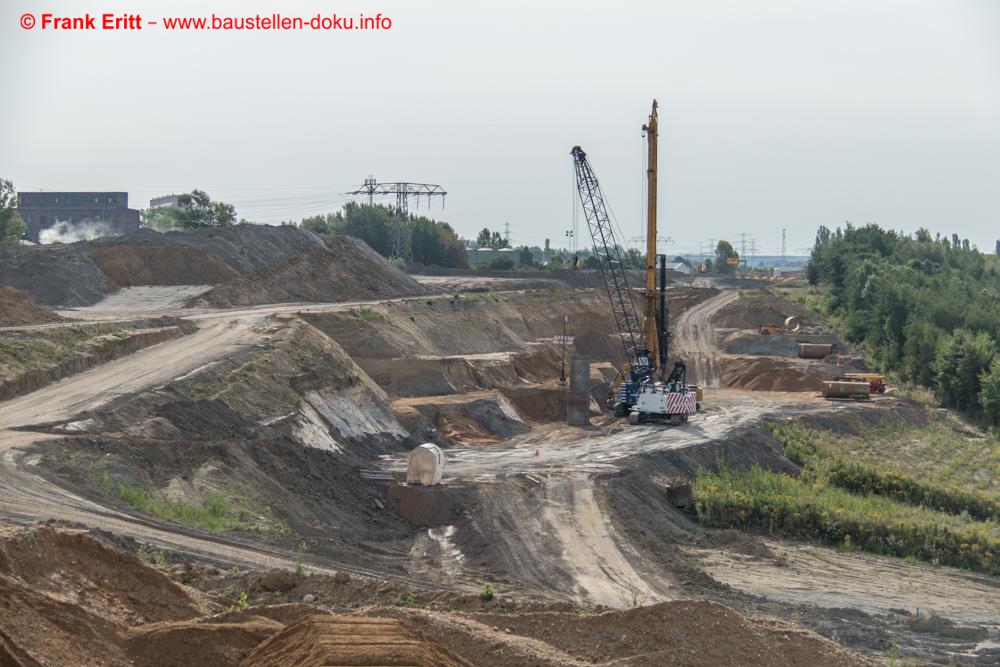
[320, 224]
[524, 254]
[491, 239]
[433, 242]
[162, 219]
[12, 227]
[989, 393]
[723, 253]
[194, 209]
[961, 360]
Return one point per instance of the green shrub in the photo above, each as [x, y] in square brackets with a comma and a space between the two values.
[486, 593]
[900, 486]
[780, 504]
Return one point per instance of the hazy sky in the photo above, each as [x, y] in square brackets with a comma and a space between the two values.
[773, 114]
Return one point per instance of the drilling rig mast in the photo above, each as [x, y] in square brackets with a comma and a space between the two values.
[643, 389]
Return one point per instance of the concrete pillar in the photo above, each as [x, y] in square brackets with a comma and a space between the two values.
[578, 395]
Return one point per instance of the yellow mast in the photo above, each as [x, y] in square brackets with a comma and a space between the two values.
[649, 324]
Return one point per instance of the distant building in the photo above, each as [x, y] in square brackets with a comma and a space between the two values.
[679, 267]
[163, 202]
[105, 213]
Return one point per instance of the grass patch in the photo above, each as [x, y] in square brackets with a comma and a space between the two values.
[216, 513]
[819, 452]
[365, 313]
[940, 454]
[814, 510]
[44, 348]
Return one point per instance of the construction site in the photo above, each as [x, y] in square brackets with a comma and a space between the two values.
[256, 445]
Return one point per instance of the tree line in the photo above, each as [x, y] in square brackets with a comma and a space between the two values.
[433, 242]
[925, 306]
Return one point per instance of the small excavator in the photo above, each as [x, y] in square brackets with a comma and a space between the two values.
[643, 389]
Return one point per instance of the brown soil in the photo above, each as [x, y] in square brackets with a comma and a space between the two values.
[683, 632]
[198, 642]
[19, 308]
[763, 374]
[39, 629]
[74, 568]
[473, 417]
[342, 640]
[130, 265]
[345, 269]
[759, 307]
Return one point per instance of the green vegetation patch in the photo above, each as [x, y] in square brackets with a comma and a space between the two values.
[216, 513]
[883, 491]
[41, 349]
[937, 455]
[814, 510]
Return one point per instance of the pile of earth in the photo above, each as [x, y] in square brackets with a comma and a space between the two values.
[760, 307]
[680, 632]
[763, 374]
[244, 248]
[62, 276]
[343, 269]
[69, 599]
[130, 265]
[81, 274]
[509, 630]
[18, 308]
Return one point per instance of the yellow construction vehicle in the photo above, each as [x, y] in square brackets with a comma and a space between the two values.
[769, 329]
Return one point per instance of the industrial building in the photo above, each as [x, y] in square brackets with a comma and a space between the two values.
[43, 210]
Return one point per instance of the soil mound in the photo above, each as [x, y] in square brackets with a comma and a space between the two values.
[770, 375]
[75, 568]
[57, 275]
[18, 308]
[38, 629]
[755, 308]
[131, 265]
[342, 640]
[79, 274]
[344, 269]
[244, 248]
[683, 632]
[198, 643]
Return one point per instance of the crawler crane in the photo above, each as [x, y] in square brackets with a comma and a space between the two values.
[643, 388]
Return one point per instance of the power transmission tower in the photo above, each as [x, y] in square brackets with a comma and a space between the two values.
[402, 245]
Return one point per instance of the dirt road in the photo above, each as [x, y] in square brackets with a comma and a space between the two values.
[695, 339]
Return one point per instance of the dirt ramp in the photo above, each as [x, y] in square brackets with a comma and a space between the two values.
[342, 270]
[18, 308]
[342, 640]
[132, 265]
